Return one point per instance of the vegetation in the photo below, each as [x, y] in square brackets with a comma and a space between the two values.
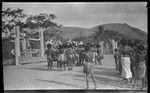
[105, 35]
[117, 31]
[28, 24]
[11, 18]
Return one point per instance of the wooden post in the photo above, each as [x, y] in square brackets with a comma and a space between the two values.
[42, 42]
[17, 44]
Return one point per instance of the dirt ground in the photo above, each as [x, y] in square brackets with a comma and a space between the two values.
[36, 76]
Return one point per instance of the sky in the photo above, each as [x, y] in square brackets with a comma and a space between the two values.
[88, 14]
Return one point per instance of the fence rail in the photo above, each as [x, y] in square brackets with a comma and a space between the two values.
[31, 53]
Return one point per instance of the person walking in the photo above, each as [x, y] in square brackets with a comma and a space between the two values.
[89, 66]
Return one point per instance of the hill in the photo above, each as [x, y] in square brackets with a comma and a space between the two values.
[75, 32]
[125, 29]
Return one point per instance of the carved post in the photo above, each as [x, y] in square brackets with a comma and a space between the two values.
[17, 44]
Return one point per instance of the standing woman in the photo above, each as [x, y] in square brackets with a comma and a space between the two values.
[89, 66]
[126, 72]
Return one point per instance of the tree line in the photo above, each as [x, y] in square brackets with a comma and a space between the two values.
[17, 17]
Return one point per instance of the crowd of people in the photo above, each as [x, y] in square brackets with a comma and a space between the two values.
[71, 54]
[131, 62]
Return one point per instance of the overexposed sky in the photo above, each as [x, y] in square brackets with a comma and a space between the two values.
[89, 14]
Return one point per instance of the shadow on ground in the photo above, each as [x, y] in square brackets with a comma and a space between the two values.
[105, 76]
[104, 81]
[105, 71]
[61, 83]
[109, 73]
[42, 69]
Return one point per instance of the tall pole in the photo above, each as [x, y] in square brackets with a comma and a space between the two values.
[17, 44]
[42, 42]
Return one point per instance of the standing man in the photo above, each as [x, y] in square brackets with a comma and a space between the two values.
[81, 58]
[89, 66]
[99, 54]
[140, 66]
[117, 58]
[68, 53]
[49, 53]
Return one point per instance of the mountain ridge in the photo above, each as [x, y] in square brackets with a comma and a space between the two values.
[123, 28]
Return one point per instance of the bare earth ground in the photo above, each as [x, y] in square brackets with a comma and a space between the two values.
[36, 76]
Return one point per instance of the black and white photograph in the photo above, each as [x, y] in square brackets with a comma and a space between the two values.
[74, 45]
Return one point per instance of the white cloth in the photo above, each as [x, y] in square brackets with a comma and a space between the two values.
[126, 72]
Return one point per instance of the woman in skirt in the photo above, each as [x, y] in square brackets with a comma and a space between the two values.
[125, 61]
